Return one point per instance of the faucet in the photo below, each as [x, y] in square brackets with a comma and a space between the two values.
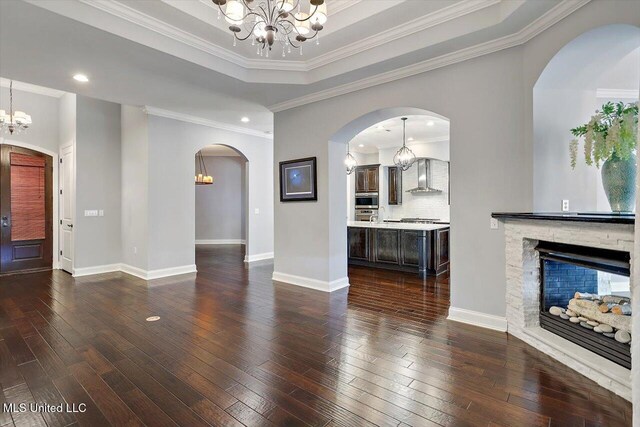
[373, 216]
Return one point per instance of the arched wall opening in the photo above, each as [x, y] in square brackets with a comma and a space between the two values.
[221, 207]
[354, 131]
[599, 66]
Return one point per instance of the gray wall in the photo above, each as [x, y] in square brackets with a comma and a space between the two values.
[489, 103]
[97, 239]
[220, 207]
[43, 133]
[135, 182]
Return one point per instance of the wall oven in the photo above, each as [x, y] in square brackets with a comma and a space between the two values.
[366, 201]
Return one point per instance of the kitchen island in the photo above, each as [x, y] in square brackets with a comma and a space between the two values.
[418, 248]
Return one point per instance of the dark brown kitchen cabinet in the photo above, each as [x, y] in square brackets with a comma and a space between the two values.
[410, 249]
[367, 178]
[425, 252]
[394, 186]
[442, 250]
[359, 243]
[387, 246]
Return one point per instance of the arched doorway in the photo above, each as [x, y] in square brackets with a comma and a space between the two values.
[374, 138]
[221, 205]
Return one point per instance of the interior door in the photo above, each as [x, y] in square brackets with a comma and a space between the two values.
[26, 202]
[66, 209]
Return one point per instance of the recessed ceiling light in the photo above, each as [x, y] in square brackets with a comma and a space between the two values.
[360, 145]
[430, 123]
[380, 127]
[81, 78]
[245, 120]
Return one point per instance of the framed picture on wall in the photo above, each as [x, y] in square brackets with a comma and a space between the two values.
[298, 180]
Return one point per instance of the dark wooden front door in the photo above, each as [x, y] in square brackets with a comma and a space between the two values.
[26, 207]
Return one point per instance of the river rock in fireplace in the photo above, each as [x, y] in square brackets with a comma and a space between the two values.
[586, 310]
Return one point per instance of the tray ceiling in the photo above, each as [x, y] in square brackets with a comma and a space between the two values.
[358, 34]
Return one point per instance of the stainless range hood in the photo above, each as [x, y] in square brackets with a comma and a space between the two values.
[424, 178]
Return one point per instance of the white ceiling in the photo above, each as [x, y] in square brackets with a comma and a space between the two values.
[386, 134]
[175, 55]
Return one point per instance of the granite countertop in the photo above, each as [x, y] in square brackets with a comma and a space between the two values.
[397, 226]
[596, 217]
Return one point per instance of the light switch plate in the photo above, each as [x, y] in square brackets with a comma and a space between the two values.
[100, 212]
[256, 211]
[494, 223]
[90, 213]
[565, 205]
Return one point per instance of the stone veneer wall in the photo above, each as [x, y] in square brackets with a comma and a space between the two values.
[523, 288]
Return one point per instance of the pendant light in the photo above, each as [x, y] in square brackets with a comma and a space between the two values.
[15, 121]
[350, 162]
[202, 178]
[404, 158]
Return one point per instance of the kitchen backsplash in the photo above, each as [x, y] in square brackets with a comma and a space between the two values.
[434, 205]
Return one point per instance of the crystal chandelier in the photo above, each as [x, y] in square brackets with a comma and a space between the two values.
[350, 162]
[14, 121]
[404, 158]
[202, 178]
[269, 22]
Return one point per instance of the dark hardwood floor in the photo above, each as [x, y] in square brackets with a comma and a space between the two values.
[233, 348]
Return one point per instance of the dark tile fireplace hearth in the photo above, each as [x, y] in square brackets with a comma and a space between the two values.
[567, 269]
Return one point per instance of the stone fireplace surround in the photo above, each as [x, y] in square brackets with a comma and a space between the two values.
[523, 290]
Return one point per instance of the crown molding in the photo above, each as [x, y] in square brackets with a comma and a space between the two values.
[617, 93]
[122, 11]
[550, 18]
[409, 28]
[163, 28]
[28, 87]
[153, 111]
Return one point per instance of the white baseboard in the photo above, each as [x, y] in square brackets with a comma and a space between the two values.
[157, 274]
[173, 271]
[98, 269]
[307, 282]
[258, 257]
[135, 271]
[221, 242]
[475, 318]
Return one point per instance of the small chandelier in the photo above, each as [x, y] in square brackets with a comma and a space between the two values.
[350, 162]
[14, 121]
[404, 158]
[268, 22]
[202, 178]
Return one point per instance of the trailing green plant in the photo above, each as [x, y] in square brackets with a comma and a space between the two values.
[611, 132]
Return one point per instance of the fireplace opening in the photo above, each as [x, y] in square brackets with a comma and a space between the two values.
[585, 298]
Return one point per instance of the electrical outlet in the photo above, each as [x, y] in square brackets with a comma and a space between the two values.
[135, 249]
[256, 211]
[100, 212]
[565, 205]
[494, 223]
